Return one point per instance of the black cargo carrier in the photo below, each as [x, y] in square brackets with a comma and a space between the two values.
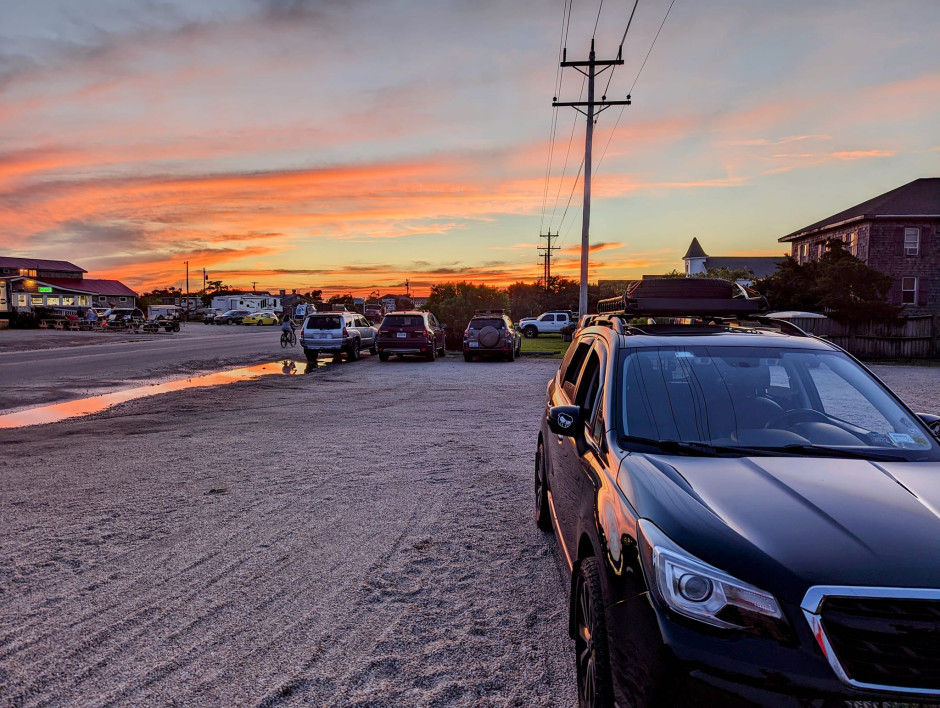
[685, 297]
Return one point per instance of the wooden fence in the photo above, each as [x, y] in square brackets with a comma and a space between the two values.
[908, 338]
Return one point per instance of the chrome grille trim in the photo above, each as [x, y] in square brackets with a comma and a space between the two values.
[812, 603]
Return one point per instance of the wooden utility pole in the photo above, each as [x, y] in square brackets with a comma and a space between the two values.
[547, 257]
[587, 108]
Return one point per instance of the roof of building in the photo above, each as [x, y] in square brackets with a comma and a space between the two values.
[88, 285]
[39, 264]
[759, 266]
[695, 250]
[918, 198]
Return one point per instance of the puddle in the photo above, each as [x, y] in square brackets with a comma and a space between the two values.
[94, 404]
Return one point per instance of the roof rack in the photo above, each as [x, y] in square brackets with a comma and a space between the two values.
[685, 297]
[488, 312]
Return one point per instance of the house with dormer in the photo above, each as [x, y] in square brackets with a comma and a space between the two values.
[30, 283]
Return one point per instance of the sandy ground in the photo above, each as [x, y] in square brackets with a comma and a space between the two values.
[357, 536]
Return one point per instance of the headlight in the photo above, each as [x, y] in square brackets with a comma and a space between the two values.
[698, 590]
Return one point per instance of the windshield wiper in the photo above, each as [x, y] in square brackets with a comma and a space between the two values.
[824, 451]
[674, 447]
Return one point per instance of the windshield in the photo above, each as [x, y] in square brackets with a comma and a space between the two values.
[403, 321]
[494, 322]
[324, 322]
[764, 398]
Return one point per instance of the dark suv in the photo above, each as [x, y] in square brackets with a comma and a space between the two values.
[749, 515]
[491, 332]
[412, 332]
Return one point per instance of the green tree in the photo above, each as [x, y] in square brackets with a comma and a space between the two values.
[455, 303]
[838, 284]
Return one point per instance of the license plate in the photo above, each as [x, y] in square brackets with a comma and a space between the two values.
[401, 335]
[474, 344]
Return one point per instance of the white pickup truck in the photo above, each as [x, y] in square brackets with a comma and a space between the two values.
[546, 323]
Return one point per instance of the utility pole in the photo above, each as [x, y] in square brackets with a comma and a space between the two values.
[407, 289]
[547, 256]
[590, 72]
[187, 291]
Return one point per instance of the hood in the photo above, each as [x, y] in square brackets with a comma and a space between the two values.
[799, 521]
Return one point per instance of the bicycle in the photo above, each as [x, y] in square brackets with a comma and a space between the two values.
[288, 339]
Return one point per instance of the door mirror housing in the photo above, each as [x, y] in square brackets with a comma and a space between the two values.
[566, 420]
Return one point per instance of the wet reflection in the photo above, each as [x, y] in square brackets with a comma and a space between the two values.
[94, 404]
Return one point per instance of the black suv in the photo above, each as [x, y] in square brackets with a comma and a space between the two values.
[491, 332]
[749, 515]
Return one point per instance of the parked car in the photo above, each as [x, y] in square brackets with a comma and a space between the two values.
[122, 317]
[413, 332]
[206, 314]
[491, 332]
[261, 318]
[337, 333]
[374, 313]
[231, 317]
[749, 516]
[546, 323]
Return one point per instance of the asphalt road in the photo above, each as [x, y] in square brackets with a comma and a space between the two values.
[42, 367]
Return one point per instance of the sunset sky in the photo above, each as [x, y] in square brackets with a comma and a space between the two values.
[350, 145]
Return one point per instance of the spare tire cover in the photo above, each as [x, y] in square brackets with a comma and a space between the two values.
[488, 337]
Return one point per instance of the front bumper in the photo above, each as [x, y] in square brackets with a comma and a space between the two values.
[710, 667]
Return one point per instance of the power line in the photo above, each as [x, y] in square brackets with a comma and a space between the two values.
[597, 21]
[620, 49]
[637, 78]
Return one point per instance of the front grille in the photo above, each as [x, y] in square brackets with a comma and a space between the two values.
[885, 641]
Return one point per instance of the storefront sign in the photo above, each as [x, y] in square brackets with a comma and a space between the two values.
[45, 289]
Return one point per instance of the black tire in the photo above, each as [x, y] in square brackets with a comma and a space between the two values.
[311, 354]
[284, 340]
[592, 656]
[353, 353]
[511, 355]
[383, 356]
[530, 332]
[373, 350]
[543, 516]
[442, 351]
[259, 323]
[467, 356]
[431, 355]
[176, 326]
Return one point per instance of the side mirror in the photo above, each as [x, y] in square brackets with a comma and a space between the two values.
[566, 420]
[932, 422]
[443, 326]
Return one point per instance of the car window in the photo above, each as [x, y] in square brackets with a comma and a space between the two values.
[762, 397]
[586, 396]
[571, 368]
[324, 322]
[480, 323]
[403, 321]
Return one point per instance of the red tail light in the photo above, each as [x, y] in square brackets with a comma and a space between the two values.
[345, 333]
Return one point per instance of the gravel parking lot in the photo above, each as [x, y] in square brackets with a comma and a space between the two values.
[357, 536]
[360, 535]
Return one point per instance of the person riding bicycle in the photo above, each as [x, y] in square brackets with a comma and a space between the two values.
[287, 327]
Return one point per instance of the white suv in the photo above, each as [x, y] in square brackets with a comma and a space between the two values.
[337, 332]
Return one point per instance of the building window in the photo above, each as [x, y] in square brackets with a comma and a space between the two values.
[804, 251]
[84, 300]
[122, 299]
[52, 300]
[27, 272]
[21, 300]
[68, 300]
[820, 250]
[911, 242]
[102, 298]
[909, 291]
[851, 242]
[35, 300]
